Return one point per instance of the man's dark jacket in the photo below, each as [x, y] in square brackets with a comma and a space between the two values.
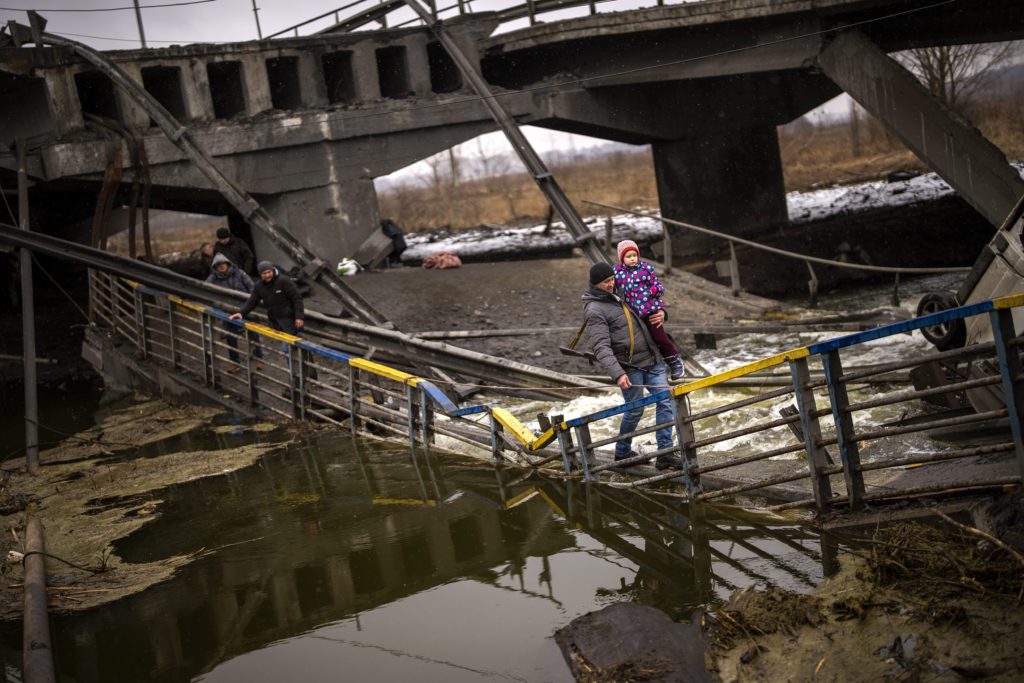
[608, 334]
[282, 299]
[238, 252]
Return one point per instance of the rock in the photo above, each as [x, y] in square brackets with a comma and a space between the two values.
[627, 641]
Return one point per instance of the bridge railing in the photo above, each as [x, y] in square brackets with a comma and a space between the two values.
[755, 443]
[359, 13]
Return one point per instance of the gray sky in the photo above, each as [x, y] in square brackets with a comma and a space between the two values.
[220, 20]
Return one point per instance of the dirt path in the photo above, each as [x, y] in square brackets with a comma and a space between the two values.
[537, 294]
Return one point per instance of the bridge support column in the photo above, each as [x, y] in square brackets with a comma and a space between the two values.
[257, 85]
[965, 159]
[728, 180]
[418, 65]
[62, 99]
[132, 115]
[364, 72]
[332, 220]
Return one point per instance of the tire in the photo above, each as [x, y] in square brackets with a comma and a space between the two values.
[944, 336]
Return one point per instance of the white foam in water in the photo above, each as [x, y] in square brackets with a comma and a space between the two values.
[735, 351]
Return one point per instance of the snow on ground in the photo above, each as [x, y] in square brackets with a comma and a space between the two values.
[804, 207]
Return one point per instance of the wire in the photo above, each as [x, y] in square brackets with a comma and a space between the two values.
[135, 40]
[10, 211]
[104, 9]
[40, 265]
[57, 285]
[61, 559]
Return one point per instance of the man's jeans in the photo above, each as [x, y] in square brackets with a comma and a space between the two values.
[656, 380]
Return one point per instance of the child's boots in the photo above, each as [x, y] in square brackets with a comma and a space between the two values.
[675, 367]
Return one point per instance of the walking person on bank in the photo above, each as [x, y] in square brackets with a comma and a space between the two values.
[237, 251]
[628, 354]
[225, 274]
[643, 292]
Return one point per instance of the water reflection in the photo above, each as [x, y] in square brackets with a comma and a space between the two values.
[356, 560]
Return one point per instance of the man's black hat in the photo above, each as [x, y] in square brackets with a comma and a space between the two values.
[599, 272]
[223, 233]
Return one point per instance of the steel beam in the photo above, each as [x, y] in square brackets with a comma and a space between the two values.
[534, 165]
[420, 353]
[961, 155]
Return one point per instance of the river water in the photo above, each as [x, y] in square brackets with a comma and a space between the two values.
[355, 560]
[360, 560]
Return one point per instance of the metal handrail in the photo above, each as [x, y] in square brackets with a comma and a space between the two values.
[783, 252]
[184, 334]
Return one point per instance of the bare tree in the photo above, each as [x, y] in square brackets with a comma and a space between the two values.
[956, 73]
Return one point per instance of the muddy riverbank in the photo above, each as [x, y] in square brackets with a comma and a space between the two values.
[911, 602]
[102, 484]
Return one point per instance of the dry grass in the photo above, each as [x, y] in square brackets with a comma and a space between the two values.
[812, 156]
[186, 237]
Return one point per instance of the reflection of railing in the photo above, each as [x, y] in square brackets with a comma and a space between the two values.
[294, 377]
[685, 546]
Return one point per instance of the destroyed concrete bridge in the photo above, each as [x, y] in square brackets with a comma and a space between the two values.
[306, 123]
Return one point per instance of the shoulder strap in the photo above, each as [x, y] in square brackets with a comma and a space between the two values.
[629, 323]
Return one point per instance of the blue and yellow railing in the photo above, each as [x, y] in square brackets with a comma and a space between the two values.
[296, 377]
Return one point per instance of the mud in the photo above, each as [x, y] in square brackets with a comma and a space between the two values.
[98, 487]
[919, 602]
[534, 295]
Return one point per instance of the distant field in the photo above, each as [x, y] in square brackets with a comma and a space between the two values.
[177, 233]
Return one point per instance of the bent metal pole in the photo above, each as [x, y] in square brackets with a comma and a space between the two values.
[37, 654]
[28, 322]
[586, 239]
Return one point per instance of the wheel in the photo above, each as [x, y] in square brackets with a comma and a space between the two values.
[945, 336]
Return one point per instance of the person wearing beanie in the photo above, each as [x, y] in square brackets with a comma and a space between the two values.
[643, 292]
[235, 250]
[279, 295]
[628, 354]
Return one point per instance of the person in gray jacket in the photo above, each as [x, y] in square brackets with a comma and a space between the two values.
[224, 273]
[626, 352]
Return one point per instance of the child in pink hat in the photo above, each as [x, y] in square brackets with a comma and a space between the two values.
[642, 291]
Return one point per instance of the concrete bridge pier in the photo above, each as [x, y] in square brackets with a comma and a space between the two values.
[331, 220]
[729, 180]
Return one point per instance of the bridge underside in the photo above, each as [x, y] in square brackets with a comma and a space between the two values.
[707, 96]
[305, 124]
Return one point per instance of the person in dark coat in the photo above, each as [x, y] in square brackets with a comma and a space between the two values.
[279, 295]
[224, 273]
[627, 353]
[237, 251]
[392, 230]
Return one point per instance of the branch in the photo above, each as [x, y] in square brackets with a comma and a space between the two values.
[981, 534]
